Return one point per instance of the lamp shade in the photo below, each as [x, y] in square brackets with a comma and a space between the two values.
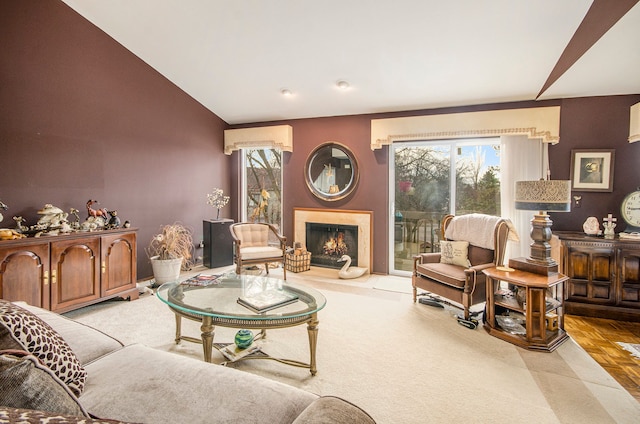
[544, 195]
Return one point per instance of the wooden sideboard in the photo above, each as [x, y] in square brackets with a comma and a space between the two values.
[604, 276]
[67, 272]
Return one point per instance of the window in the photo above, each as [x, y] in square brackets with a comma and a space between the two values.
[432, 179]
[262, 186]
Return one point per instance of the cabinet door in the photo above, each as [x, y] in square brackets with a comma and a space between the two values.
[629, 278]
[119, 261]
[591, 272]
[24, 274]
[75, 276]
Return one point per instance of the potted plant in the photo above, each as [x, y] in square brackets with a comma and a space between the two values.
[170, 251]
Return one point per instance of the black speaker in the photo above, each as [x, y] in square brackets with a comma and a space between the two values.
[218, 243]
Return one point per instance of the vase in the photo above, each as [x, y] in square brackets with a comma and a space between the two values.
[243, 339]
[165, 270]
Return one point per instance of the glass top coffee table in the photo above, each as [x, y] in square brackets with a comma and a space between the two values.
[214, 300]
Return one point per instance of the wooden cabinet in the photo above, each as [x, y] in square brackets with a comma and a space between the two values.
[24, 273]
[66, 272]
[604, 280]
[118, 264]
[542, 326]
[75, 274]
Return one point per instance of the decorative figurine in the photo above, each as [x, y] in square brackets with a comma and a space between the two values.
[591, 226]
[51, 219]
[114, 221]
[3, 206]
[19, 227]
[75, 212]
[95, 213]
[348, 271]
[609, 225]
[97, 218]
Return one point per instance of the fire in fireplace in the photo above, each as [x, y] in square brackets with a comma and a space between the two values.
[328, 242]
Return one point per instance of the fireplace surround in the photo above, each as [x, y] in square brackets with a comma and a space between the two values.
[329, 242]
[363, 220]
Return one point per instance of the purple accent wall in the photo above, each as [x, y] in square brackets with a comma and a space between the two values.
[595, 122]
[83, 118]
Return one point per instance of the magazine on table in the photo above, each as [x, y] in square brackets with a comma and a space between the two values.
[233, 352]
[267, 300]
[201, 280]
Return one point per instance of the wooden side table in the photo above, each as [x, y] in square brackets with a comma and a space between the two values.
[542, 307]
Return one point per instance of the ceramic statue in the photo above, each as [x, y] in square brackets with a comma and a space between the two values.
[347, 271]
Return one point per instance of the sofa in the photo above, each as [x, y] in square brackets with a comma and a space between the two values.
[52, 366]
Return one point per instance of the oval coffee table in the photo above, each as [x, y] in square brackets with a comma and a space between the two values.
[215, 302]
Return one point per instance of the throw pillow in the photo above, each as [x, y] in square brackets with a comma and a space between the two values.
[26, 383]
[30, 416]
[455, 253]
[38, 338]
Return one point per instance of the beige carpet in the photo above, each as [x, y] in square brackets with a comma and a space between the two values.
[402, 362]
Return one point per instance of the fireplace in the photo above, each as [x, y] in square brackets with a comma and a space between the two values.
[361, 253]
[329, 242]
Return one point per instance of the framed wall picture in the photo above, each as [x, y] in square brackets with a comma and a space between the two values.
[592, 169]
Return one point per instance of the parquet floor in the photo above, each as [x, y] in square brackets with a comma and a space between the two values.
[598, 337]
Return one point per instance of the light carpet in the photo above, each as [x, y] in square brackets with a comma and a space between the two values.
[401, 362]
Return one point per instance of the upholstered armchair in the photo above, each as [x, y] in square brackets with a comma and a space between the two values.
[258, 243]
[470, 244]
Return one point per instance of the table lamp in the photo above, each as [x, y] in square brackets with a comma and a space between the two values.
[542, 196]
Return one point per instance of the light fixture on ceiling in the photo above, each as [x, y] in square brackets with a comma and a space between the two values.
[286, 92]
[342, 84]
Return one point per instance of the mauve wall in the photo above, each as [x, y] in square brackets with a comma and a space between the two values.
[595, 122]
[81, 117]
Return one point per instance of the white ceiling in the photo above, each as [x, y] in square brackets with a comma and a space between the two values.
[235, 57]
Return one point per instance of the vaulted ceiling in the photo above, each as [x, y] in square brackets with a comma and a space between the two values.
[237, 57]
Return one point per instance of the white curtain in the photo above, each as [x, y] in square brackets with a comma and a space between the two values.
[521, 159]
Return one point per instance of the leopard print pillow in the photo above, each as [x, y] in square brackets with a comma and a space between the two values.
[38, 338]
[30, 416]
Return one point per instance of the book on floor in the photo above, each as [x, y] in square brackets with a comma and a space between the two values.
[267, 300]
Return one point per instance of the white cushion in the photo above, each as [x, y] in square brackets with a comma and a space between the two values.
[252, 234]
[248, 253]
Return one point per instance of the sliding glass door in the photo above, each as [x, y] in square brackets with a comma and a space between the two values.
[431, 179]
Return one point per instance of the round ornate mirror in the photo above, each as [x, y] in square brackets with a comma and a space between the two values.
[331, 171]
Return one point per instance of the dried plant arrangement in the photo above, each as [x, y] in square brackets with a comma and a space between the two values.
[173, 242]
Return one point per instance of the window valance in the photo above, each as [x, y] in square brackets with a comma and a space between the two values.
[277, 137]
[634, 124]
[538, 122]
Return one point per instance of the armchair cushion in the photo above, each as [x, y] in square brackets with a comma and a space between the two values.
[452, 275]
[252, 234]
[454, 253]
[260, 252]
